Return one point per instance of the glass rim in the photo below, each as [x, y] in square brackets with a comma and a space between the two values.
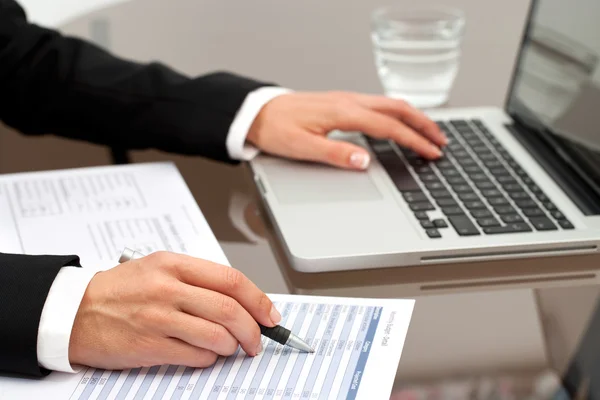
[451, 13]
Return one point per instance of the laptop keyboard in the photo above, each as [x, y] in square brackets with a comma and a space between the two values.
[478, 187]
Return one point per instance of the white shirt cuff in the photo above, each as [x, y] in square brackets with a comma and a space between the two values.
[58, 317]
[237, 147]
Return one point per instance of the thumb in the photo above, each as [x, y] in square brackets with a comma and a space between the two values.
[334, 152]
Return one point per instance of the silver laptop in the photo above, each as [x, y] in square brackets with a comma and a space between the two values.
[518, 182]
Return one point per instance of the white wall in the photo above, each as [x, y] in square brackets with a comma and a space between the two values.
[308, 44]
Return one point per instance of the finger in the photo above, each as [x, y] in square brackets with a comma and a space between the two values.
[230, 282]
[177, 352]
[333, 152]
[384, 127]
[224, 311]
[409, 114]
[202, 334]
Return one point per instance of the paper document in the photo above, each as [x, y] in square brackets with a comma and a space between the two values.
[96, 212]
[358, 345]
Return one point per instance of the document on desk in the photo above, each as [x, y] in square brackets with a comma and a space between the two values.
[96, 212]
[358, 344]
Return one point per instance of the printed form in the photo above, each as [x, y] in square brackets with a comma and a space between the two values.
[96, 212]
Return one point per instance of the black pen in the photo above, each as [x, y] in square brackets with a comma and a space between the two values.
[278, 333]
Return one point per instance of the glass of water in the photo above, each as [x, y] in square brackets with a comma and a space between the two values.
[417, 52]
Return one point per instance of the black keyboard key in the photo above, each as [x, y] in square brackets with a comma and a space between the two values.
[455, 146]
[421, 215]
[478, 177]
[469, 196]
[499, 171]
[475, 205]
[521, 172]
[485, 185]
[440, 194]
[447, 203]
[473, 169]
[435, 185]
[462, 189]
[452, 211]
[415, 197]
[443, 163]
[558, 215]
[424, 206]
[498, 201]
[512, 218]
[418, 162]
[429, 178]
[503, 210]
[519, 196]
[456, 180]
[460, 154]
[533, 212]
[488, 157]
[535, 189]
[478, 148]
[482, 214]
[492, 163]
[512, 187]
[528, 181]
[467, 161]
[512, 228]
[464, 226]
[427, 224]
[491, 193]
[424, 169]
[450, 172]
[459, 123]
[543, 224]
[527, 203]
[488, 222]
[550, 206]
[477, 144]
[440, 224]
[507, 180]
[433, 233]
[542, 197]
[566, 224]
[402, 178]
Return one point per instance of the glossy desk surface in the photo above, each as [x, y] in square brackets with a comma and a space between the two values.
[477, 328]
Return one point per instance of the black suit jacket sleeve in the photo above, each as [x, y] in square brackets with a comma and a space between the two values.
[24, 285]
[50, 83]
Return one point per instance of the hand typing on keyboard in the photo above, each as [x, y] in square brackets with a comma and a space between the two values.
[296, 126]
[477, 186]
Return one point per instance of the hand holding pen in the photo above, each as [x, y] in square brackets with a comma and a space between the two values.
[168, 308]
[277, 333]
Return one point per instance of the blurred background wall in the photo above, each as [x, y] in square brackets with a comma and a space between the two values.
[304, 45]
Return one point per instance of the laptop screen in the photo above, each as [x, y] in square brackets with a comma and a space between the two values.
[556, 85]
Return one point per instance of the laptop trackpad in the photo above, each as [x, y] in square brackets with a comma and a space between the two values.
[295, 182]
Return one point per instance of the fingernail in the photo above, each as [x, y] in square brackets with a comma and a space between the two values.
[445, 140]
[360, 160]
[259, 348]
[436, 151]
[275, 316]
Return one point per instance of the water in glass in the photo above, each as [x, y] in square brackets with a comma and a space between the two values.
[416, 60]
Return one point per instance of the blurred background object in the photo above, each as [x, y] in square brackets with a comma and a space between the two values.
[417, 52]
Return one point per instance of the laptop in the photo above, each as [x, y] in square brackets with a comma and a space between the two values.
[518, 182]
